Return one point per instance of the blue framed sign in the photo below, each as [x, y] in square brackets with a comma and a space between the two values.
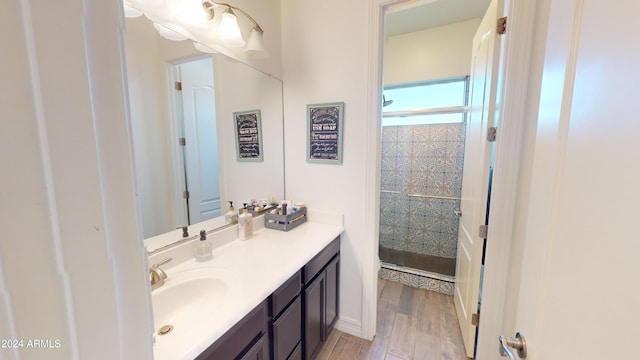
[248, 131]
[324, 132]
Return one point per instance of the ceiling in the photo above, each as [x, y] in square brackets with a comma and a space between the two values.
[414, 15]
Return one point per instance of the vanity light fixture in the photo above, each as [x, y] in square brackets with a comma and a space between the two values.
[255, 44]
[191, 12]
[229, 30]
[208, 23]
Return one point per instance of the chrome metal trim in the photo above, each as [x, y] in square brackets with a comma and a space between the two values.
[433, 197]
[390, 191]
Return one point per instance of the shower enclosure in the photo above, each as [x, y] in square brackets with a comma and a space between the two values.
[421, 183]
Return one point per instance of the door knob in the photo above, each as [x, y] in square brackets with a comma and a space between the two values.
[518, 343]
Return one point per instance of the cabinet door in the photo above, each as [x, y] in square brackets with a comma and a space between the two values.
[314, 323]
[297, 353]
[331, 308]
[259, 351]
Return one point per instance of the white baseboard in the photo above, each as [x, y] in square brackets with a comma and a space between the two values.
[349, 326]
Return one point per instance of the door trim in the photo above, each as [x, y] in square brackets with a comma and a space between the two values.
[514, 71]
[371, 261]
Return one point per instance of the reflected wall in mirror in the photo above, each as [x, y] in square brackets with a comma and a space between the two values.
[202, 113]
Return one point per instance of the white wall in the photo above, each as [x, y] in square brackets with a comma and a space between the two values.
[241, 88]
[72, 266]
[436, 53]
[148, 105]
[325, 52]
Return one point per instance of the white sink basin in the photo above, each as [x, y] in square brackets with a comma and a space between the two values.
[184, 297]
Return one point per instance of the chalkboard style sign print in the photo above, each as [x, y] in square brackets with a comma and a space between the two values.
[324, 132]
[248, 135]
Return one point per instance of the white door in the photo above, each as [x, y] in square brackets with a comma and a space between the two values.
[579, 291]
[475, 180]
[201, 147]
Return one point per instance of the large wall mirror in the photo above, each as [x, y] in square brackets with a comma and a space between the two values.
[200, 111]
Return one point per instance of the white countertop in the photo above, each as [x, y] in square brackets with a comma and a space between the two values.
[254, 269]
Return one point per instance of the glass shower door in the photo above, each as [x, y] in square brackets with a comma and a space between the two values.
[421, 182]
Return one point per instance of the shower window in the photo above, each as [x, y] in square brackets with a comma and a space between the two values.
[421, 181]
[432, 102]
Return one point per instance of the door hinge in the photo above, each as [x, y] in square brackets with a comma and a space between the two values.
[185, 194]
[501, 27]
[483, 231]
[178, 85]
[475, 319]
[492, 132]
[182, 141]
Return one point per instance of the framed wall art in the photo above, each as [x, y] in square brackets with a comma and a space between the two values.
[248, 131]
[324, 132]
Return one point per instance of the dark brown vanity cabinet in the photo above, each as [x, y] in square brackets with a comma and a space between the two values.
[320, 298]
[291, 324]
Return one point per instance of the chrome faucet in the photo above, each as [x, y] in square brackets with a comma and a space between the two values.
[157, 275]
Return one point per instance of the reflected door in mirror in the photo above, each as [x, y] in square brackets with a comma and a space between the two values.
[196, 99]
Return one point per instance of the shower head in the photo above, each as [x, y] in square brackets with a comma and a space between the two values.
[386, 102]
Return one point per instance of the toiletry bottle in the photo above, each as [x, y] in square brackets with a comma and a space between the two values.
[231, 217]
[245, 224]
[204, 249]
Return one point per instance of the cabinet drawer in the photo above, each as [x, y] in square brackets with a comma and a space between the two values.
[285, 294]
[316, 264]
[287, 331]
[235, 341]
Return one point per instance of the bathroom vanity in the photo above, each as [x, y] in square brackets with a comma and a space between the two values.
[274, 296]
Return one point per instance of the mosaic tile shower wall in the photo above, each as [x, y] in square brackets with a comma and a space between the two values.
[427, 160]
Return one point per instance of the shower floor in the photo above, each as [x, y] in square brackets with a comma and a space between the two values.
[434, 264]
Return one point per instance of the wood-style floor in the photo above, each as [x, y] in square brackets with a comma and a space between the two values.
[412, 324]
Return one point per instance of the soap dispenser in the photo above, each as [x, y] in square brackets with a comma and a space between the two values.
[245, 224]
[204, 249]
[231, 217]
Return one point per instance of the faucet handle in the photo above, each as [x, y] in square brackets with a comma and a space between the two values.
[157, 275]
[155, 269]
[162, 262]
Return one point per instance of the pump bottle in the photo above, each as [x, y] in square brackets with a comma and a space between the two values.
[245, 224]
[204, 249]
[231, 217]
